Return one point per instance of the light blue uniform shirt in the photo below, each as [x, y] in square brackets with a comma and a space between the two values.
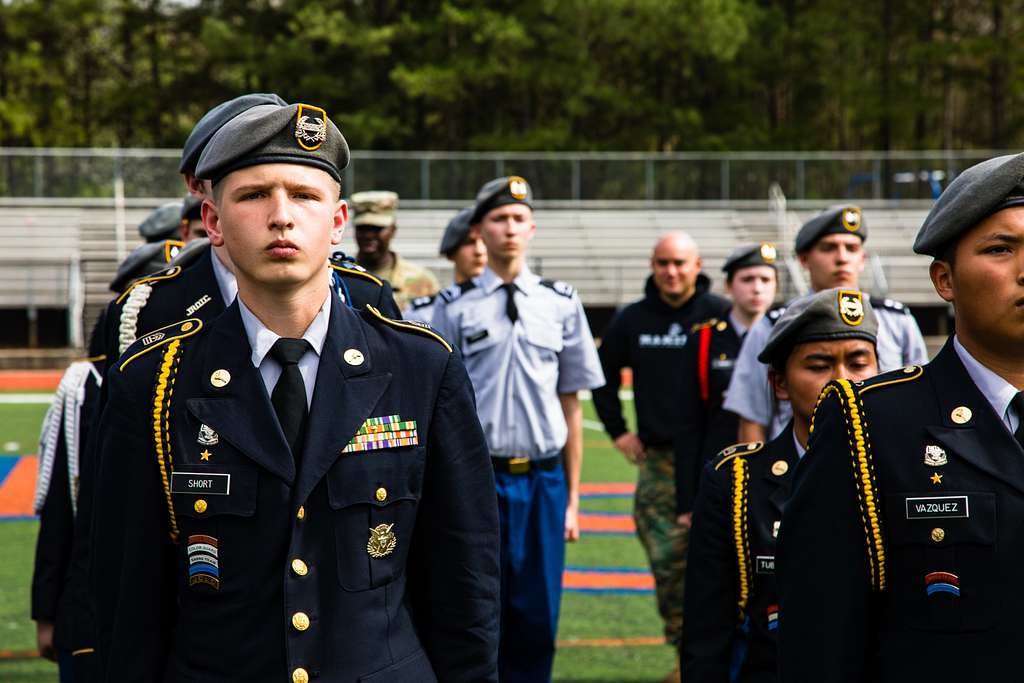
[996, 390]
[519, 370]
[750, 396]
[261, 339]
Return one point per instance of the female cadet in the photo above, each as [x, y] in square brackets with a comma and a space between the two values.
[731, 604]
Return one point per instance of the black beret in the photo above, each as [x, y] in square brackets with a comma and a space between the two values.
[973, 195]
[500, 192]
[842, 219]
[827, 315]
[275, 134]
[747, 255]
[144, 260]
[164, 222]
[212, 122]
[456, 231]
[191, 208]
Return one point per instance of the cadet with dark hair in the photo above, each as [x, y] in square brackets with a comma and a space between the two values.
[462, 245]
[731, 606]
[900, 549]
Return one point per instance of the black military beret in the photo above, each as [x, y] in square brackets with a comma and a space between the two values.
[500, 192]
[164, 222]
[212, 122]
[827, 315]
[456, 231]
[747, 255]
[274, 134]
[144, 260]
[975, 194]
[191, 208]
[842, 219]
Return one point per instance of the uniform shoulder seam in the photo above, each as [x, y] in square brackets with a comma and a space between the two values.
[162, 276]
[887, 379]
[739, 450]
[411, 326]
[159, 337]
[559, 287]
[361, 272]
[697, 327]
[453, 292]
[889, 304]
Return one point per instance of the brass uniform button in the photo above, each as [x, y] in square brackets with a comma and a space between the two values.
[300, 621]
[200, 506]
[301, 514]
[938, 534]
[300, 675]
[299, 567]
[961, 415]
[382, 494]
[780, 467]
[220, 378]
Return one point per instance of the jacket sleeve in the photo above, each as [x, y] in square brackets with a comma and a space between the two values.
[53, 546]
[455, 566]
[614, 355]
[130, 552]
[386, 302]
[689, 438]
[710, 602]
[822, 563]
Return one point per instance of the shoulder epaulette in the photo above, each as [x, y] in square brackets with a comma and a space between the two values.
[422, 301]
[862, 460]
[907, 374]
[773, 315]
[351, 268]
[738, 450]
[702, 324]
[889, 305]
[559, 287]
[161, 276]
[157, 338]
[411, 325]
[453, 292]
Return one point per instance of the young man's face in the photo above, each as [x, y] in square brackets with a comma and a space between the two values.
[834, 261]
[470, 257]
[753, 289]
[812, 365]
[278, 222]
[985, 283]
[507, 230]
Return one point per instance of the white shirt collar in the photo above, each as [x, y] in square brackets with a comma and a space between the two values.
[741, 329]
[261, 338]
[996, 390]
[489, 280]
[800, 450]
[226, 282]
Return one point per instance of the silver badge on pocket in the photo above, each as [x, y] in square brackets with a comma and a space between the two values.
[934, 456]
[207, 437]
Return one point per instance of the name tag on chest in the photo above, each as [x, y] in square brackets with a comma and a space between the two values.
[935, 507]
[765, 564]
[201, 482]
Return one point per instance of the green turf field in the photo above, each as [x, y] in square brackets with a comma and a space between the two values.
[584, 616]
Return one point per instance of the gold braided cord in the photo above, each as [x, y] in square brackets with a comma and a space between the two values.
[161, 423]
[739, 529]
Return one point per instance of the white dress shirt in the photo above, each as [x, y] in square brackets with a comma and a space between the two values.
[996, 390]
[226, 282]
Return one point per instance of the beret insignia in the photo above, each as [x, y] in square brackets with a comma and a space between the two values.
[310, 127]
[851, 218]
[768, 252]
[851, 307]
[517, 187]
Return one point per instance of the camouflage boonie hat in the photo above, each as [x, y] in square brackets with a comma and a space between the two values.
[375, 207]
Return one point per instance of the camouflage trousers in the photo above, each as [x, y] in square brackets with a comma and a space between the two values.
[664, 541]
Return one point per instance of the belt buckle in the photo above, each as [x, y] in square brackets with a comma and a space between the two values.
[518, 465]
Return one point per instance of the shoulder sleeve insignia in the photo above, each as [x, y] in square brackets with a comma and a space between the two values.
[411, 325]
[158, 338]
[348, 268]
[161, 276]
[889, 305]
[422, 301]
[559, 287]
[739, 450]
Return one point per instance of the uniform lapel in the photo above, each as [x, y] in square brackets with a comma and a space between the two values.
[201, 282]
[240, 411]
[781, 485]
[344, 396]
[983, 441]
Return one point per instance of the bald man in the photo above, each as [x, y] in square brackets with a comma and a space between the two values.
[648, 336]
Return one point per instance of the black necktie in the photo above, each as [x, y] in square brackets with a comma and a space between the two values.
[510, 304]
[289, 395]
[1017, 403]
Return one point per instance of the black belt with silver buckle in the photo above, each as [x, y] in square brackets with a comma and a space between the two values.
[524, 465]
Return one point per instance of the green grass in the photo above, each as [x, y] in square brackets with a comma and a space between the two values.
[584, 616]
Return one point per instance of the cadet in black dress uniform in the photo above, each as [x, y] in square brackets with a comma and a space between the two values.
[731, 604]
[708, 357]
[901, 549]
[297, 490]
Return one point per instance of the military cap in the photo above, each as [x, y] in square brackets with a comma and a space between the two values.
[144, 260]
[500, 192]
[455, 233]
[191, 208]
[827, 315]
[212, 122]
[747, 255]
[375, 208]
[163, 223]
[975, 194]
[275, 134]
[842, 219]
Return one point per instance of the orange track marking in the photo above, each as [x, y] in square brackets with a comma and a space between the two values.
[605, 488]
[611, 642]
[620, 523]
[18, 489]
[607, 580]
[30, 380]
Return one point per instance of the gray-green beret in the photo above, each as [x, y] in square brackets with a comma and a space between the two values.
[274, 134]
[747, 255]
[163, 223]
[841, 219]
[975, 194]
[144, 260]
[213, 120]
[826, 315]
[500, 192]
[456, 231]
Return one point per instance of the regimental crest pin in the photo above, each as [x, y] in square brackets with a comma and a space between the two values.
[310, 127]
[517, 187]
[851, 306]
[851, 218]
[934, 456]
[768, 252]
[382, 541]
[207, 437]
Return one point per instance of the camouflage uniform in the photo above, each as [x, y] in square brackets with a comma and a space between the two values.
[664, 541]
[408, 281]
